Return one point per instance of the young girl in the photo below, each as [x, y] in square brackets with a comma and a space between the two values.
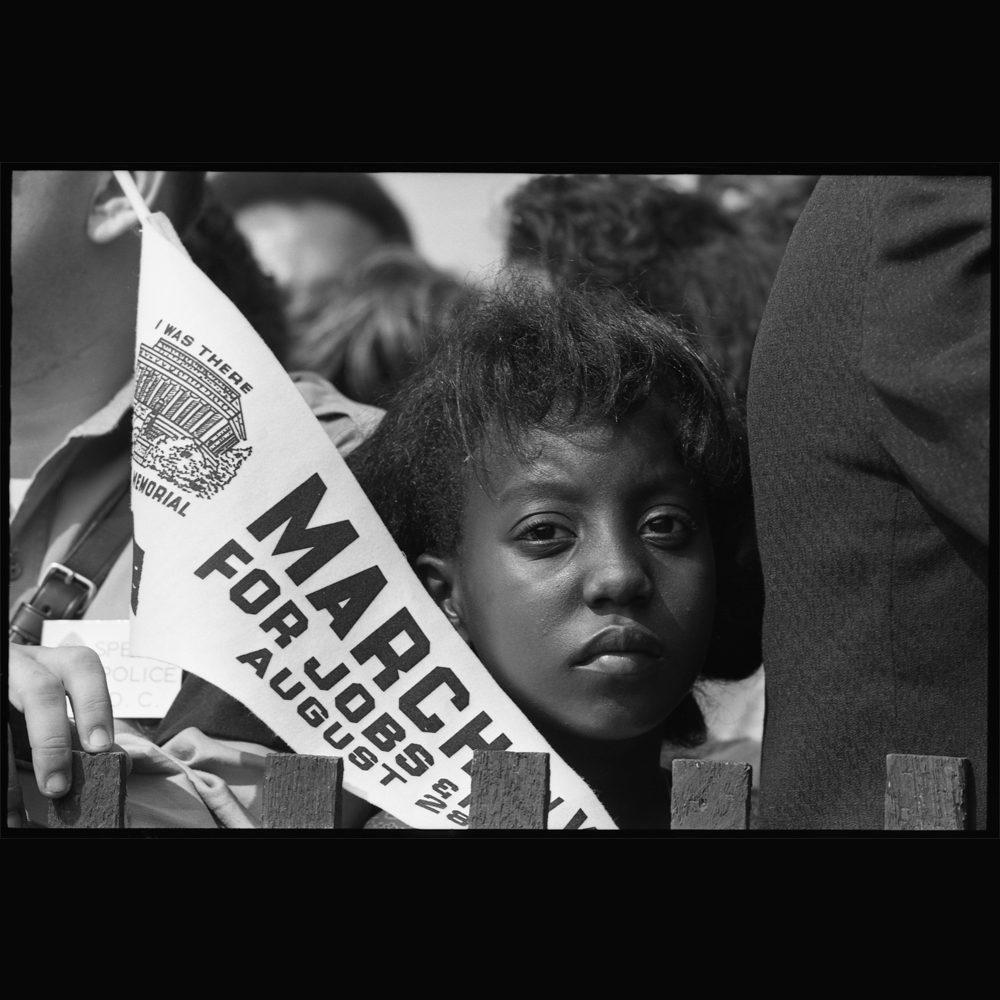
[568, 477]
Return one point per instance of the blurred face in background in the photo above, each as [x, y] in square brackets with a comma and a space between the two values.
[48, 233]
[303, 244]
[71, 285]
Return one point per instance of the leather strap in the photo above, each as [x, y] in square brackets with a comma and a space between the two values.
[68, 587]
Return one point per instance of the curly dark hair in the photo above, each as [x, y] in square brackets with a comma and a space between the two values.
[521, 357]
[677, 254]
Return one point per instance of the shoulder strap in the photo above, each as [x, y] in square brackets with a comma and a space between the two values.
[68, 587]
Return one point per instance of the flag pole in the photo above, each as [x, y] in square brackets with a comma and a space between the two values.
[157, 221]
[136, 200]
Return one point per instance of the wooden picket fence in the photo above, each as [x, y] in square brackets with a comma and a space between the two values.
[510, 791]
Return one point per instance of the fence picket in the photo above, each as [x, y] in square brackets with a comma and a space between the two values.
[302, 792]
[927, 793]
[710, 795]
[510, 791]
[96, 798]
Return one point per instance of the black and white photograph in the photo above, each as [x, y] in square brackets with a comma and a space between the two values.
[461, 502]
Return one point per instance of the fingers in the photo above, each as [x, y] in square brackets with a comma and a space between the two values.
[87, 686]
[40, 680]
[40, 695]
[15, 805]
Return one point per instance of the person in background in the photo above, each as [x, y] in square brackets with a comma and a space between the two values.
[307, 227]
[70, 446]
[374, 325]
[70, 434]
[677, 253]
[869, 421]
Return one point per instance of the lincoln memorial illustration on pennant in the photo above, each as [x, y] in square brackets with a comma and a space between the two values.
[187, 421]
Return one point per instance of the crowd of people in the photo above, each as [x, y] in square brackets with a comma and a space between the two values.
[690, 453]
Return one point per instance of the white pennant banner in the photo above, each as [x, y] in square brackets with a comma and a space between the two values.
[262, 567]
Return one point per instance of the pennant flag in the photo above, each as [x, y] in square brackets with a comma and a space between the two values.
[262, 567]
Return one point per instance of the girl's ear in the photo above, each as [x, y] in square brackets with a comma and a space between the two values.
[441, 580]
[111, 213]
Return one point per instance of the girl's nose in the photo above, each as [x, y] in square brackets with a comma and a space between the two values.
[617, 574]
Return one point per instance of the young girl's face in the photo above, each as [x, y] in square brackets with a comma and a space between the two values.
[585, 580]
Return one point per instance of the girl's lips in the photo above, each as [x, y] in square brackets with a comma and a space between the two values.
[621, 650]
[629, 663]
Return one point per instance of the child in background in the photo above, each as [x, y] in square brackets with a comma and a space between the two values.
[568, 477]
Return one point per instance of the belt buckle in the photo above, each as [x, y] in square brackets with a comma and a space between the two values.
[72, 577]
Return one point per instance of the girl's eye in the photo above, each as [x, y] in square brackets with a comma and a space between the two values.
[668, 529]
[544, 531]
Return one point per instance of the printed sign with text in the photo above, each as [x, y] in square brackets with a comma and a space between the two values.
[139, 688]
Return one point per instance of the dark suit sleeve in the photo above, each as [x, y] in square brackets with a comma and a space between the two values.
[926, 340]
